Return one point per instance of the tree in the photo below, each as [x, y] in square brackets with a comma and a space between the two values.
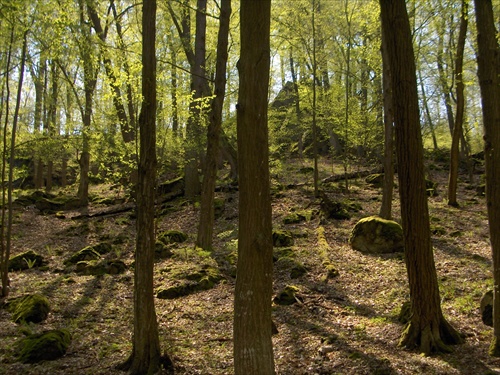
[205, 230]
[253, 350]
[488, 61]
[427, 330]
[459, 117]
[388, 187]
[146, 354]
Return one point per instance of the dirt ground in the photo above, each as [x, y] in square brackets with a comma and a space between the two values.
[341, 325]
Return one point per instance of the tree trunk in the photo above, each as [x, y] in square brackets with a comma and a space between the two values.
[388, 187]
[146, 354]
[488, 61]
[427, 330]
[314, 104]
[300, 143]
[206, 224]
[5, 248]
[253, 350]
[194, 128]
[459, 117]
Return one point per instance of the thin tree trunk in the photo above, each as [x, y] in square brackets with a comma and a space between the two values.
[488, 61]
[5, 250]
[428, 115]
[253, 350]
[206, 224]
[314, 125]
[300, 143]
[459, 117]
[388, 187]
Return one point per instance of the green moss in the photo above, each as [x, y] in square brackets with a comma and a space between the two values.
[45, 346]
[203, 278]
[30, 308]
[172, 236]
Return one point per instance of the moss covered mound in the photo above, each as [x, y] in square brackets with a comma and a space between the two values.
[29, 308]
[172, 236]
[96, 268]
[375, 180]
[203, 278]
[375, 235]
[45, 346]
[87, 253]
[282, 238]
[288, 296]
[23, 261]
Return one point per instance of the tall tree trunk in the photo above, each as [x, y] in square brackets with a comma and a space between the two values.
[206, 224]
[89, 82]
[50, 125]
[253, 348]
[300, 143]
[5, 249]
[427, 330]
[428, 115]
[194, 128]
[388, 187]
[488, 61]
[459, 117]
[314, 101]
[443, 79]
[146, 352]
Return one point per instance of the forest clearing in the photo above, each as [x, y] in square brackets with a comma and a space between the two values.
[345, 324]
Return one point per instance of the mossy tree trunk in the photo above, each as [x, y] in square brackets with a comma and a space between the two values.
[253, 350]
[488, 60]
[428, 330]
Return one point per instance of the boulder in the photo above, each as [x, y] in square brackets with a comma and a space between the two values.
[29, 308]
[172, 236]
[23, 261]
[45, 346]
[282, 238]
[375, 235]
[87, 253]
[288, 296]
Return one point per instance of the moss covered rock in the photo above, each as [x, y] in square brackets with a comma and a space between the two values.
[45, 346]
[375, 180]
[23, 261]
[288, 296]
[162, 251]
[85, 254]
[333, 209]
[377, 236]
[486, 308]
[29, 308]
[96, 268]
[172, 236]
[203, 278]
[282, 238]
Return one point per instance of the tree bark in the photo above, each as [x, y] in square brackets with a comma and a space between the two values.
[459, 116]
[146, 353]
[427, 330]
[206, 224]
[488, 61]
[388, 186]
[253, 350]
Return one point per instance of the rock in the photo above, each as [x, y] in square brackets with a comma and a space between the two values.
[87, 253]
[375, 235]
[172, 236]
[282, 238]
[162, 251]
[486, 307]
[45, 346]
[23, 261]
[297, 217]
[288, 296]
[29, 308]
[334, 209]
[375, 180]
[203, 278]
[96, 268]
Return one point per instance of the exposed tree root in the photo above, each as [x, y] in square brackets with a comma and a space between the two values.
[433, 338]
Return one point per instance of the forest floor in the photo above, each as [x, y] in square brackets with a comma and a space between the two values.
[340, 325]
